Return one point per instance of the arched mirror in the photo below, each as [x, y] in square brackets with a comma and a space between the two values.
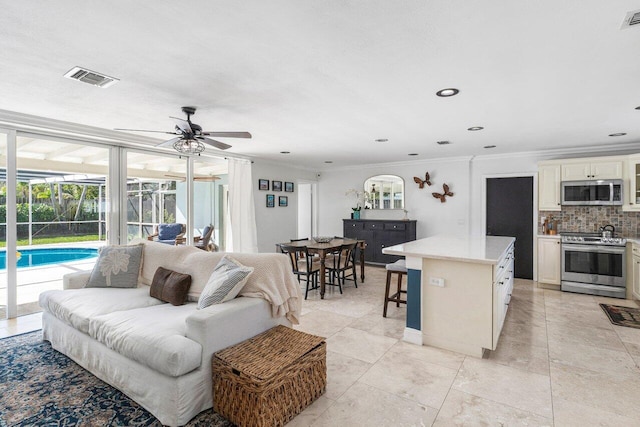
[384, 192]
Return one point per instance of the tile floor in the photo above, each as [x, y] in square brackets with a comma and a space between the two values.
[559, 362]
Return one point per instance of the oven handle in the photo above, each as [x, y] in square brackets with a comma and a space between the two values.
[594, 248]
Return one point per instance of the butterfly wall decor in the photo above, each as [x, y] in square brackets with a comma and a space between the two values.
[421, 182]
[442, 197]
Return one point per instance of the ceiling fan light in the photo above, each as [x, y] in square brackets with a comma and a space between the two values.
[188, 146]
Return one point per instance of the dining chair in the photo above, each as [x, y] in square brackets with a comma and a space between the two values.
[341, 262]
[303, 265]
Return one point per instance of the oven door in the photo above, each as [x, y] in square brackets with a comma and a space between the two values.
[601, 265]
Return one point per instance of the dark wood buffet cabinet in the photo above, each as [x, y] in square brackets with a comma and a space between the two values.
[380, 233]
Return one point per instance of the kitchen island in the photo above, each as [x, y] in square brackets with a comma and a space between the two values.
[458, 291]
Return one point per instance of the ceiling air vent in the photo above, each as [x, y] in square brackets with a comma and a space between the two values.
[91, 77]
[632, 19]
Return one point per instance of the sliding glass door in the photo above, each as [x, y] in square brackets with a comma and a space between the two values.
[60, 198]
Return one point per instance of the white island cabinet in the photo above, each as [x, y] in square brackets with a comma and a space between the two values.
[458, 291]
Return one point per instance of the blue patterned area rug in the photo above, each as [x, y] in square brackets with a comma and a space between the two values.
[42, 387]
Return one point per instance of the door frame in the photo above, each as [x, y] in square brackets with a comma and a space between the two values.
[534, 175]
[314, 206]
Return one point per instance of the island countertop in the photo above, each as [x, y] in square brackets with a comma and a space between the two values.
[478, 249]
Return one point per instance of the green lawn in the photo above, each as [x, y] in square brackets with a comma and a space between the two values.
[49, 240]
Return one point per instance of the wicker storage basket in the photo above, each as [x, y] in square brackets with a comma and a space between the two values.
[270, 378]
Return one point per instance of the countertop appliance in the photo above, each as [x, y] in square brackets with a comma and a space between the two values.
[594, 192]
[593, 264]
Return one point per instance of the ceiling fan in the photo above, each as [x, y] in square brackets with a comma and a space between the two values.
[191, 137]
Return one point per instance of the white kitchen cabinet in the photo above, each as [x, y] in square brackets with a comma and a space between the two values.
[549, 187]
[549, 260]
[611, 169]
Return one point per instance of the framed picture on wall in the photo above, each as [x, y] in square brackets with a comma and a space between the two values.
[276, 185]
[263, 184]
[283, 201]
[288, 187]
[271, 200]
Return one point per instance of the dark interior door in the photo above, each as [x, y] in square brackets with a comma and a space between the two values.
[510, 213]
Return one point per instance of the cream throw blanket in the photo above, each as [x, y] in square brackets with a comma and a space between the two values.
[273, 280]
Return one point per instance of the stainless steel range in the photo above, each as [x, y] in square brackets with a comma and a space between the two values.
[592, 264]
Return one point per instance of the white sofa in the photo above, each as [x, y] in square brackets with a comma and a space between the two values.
[158, 354]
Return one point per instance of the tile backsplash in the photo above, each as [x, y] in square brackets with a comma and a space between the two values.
[590, 218]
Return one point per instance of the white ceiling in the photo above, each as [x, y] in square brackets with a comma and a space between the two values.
[324, 79]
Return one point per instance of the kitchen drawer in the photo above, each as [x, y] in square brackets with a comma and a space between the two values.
[354, 225]
[394, 226]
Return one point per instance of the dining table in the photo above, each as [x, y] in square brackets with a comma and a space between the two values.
[323, 249]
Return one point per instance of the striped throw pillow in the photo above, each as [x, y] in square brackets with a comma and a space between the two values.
[225, 282]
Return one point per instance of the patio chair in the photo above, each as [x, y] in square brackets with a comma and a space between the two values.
[170, 234]
[204, 242]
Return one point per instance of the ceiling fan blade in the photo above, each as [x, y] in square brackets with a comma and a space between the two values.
[170, 142]
[228, 134]
[143, 130]
[219, 145]
[182, 124]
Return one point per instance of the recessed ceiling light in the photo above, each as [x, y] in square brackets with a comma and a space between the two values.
[443, 142]
[328, 161]
[618, 134]
[474, 128]
[382, 140]
[285, 152]
[450, 91]
[489, 146]
[412, 154]
[638, 108]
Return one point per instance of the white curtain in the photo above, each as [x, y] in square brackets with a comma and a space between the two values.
[242, 213]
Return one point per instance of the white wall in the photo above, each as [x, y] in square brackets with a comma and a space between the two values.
[433, 217]
[277, 224]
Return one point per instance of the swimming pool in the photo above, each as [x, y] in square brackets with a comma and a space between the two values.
[36, 257]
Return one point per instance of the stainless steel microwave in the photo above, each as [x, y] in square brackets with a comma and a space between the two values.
[594, 192]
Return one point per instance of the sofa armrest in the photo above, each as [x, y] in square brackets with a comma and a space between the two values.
[222, 325]
[75, 280]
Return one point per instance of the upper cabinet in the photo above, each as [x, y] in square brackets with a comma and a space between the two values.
[549, 187]
[551, 173]
[605, 169]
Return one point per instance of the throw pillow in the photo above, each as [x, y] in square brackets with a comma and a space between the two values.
[170, 286]
[116, 267]
[225, 282]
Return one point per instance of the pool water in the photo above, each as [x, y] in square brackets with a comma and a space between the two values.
[36, 257]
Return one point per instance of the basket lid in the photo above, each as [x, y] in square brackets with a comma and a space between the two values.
[266, 354]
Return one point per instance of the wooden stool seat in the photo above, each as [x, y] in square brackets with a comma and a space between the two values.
[400, 268]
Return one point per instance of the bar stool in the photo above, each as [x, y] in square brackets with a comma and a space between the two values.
[400, 268]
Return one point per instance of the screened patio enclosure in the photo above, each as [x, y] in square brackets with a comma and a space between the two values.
[64, 199]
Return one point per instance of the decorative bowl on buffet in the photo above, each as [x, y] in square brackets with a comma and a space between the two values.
[322, 239]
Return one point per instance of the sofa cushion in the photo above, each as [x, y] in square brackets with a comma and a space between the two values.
[170, 286]
[76, 306]
[225, 283]
[172, 257]
[116, 267]
[153, 336]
